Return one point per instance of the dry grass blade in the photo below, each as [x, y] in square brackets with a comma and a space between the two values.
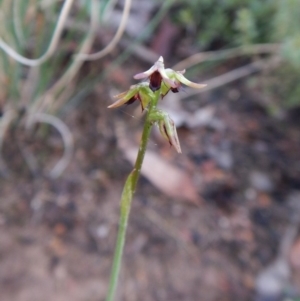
[64, 81]
[66, 136]
[52, 46]
[114, 41]
[17, 22]
[5, 122]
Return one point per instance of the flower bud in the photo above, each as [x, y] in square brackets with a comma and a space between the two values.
[139, 92]
[167, 128]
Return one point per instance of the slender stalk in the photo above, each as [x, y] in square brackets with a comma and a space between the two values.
[126, 200]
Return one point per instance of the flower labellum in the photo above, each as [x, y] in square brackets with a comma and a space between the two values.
[155, 81]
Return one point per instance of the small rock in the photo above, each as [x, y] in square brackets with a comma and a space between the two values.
[224, 158]
[261, 181]
[102, 231]
[272, 280]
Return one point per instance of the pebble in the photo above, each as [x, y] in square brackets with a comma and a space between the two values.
[261, 181]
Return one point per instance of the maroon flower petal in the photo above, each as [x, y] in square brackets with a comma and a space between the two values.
[132, 100]
[174, 90]
[155, 81]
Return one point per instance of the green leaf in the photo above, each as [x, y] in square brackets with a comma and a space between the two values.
[127, 196]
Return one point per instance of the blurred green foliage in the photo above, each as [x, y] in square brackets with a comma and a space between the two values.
[287, 29]
[227, 22]
[218, 24]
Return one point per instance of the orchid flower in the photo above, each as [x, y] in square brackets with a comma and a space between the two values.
[159, 81]
[171, 79]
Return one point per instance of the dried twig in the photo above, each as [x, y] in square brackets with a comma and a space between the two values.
[235, 75]
[226, 54]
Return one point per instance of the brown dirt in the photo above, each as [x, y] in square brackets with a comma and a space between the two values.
[57, 236]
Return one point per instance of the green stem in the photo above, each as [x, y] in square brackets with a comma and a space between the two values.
[126, 199]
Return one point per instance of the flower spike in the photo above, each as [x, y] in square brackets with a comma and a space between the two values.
[163, 80]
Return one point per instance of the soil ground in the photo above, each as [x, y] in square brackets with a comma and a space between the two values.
[57, 236]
